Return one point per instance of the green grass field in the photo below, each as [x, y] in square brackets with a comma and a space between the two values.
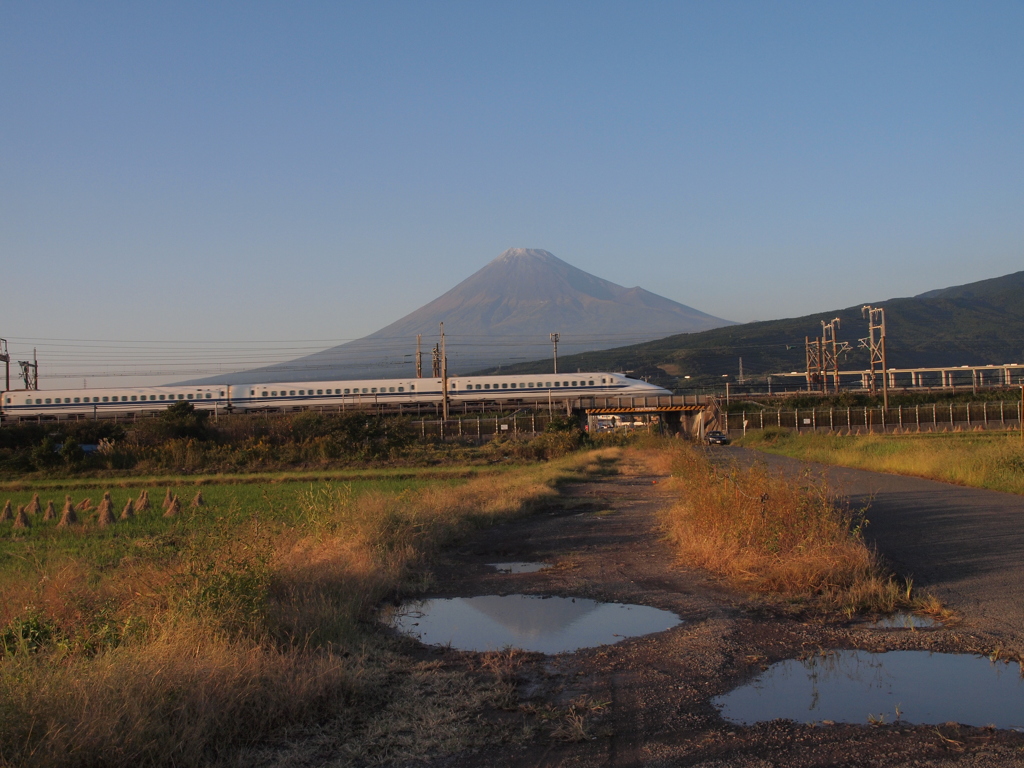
[186, 640]
[149, 537]
[984, 459]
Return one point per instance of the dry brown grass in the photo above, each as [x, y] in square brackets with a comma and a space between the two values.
[775, 534]
[249, 634]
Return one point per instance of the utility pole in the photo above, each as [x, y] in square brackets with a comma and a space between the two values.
[813, 352]
[444, 378]
[419, 356]
[5, 358]
[435, 361]
[740, 380]
[875, 344]
[831, 349]
[554, 342]
[30, 372]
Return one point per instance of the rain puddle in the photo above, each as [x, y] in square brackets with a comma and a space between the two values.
[529, 622]
[915, 687]
[519, 567]
[905, 621]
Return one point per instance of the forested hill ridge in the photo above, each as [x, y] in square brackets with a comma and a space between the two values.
[979, 323]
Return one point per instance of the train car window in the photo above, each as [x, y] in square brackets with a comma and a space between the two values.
[574, 383]
[320, 392]
[274, 393]
[391, 389]
[291, 393]
[372, 389]
[222, 393]
[547, 384]
[77, 400]
[302, 391]
[412, 387]
[364, 390]
[512, 385]
[557, 384]
[47, 401]
[590, 383]
[105, 399]
[401, 389]
[346, 391]
[469, 386]
[504, 386]
[487, 386]
[181, 397]
[133, 398]
[209, 396]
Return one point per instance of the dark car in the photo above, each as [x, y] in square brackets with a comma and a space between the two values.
[717, 438]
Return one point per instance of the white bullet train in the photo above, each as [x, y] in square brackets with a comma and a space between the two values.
[291, 396]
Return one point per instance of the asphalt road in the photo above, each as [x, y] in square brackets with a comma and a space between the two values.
[965, 545]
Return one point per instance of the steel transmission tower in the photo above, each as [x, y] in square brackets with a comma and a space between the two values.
[875, 344]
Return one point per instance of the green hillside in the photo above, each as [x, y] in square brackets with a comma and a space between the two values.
[977, 324]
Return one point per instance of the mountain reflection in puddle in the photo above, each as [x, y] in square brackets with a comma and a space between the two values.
[528, 622]
[853, 686]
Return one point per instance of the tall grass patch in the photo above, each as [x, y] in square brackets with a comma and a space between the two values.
[988, 459]
[235, 623]
[775, 534]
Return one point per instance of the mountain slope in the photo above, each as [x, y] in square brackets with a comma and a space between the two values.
[975, 324]
[502, 313]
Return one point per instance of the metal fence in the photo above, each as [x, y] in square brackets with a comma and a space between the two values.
[481, 429]
[915, 418]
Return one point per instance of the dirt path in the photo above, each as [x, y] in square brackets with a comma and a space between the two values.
[647, 701]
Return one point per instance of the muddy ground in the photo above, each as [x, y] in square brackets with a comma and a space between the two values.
[647, 701]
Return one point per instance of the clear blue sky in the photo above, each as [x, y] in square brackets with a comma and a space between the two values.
[254, 172]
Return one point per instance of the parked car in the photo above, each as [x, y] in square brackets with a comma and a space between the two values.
[717, 438]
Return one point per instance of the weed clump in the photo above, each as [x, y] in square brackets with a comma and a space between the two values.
[775, 534]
